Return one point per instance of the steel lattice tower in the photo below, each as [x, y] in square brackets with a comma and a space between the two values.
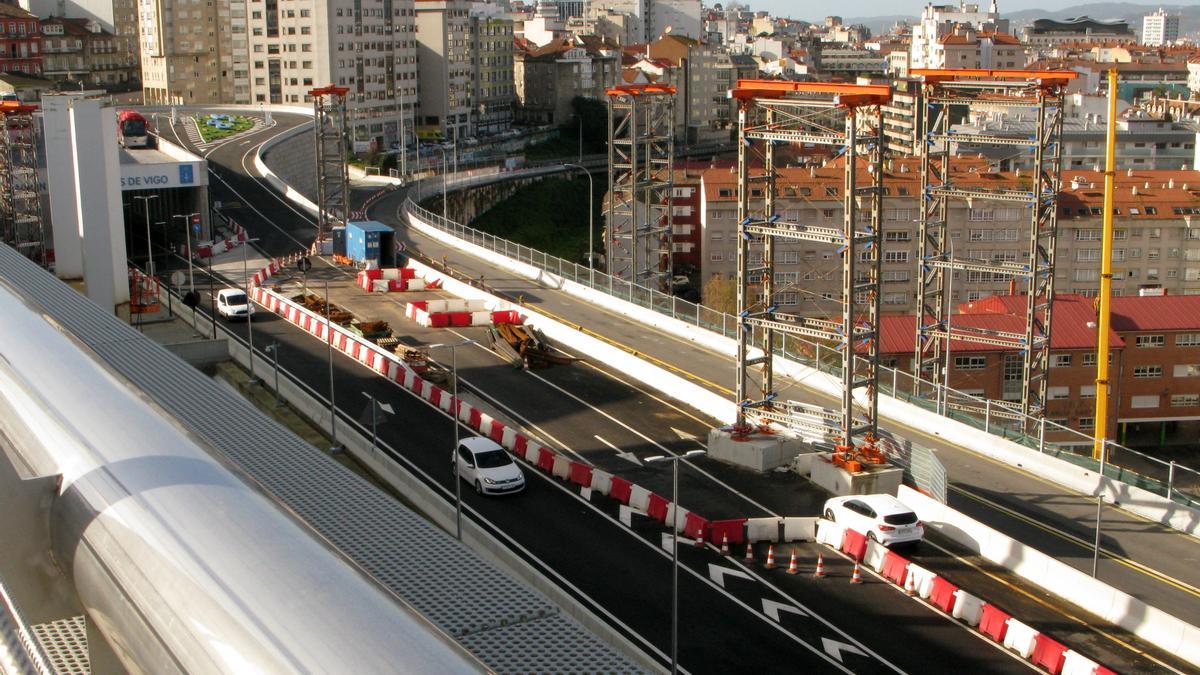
[21, 224]
[333, 180]
[943, 92]
[641, 151]
[847, 118]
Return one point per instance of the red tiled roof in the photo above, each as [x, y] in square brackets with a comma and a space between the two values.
[1165, 312]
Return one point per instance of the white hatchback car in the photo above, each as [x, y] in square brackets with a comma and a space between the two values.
[232, 303]
[881, 517]
[484, 464]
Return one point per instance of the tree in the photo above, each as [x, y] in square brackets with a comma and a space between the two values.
[720, 294]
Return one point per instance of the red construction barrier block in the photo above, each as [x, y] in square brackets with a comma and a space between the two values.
[942, 595]
[895, 568]
[546, 460]
[734, 529]
[854, 544]
[1049, 653]
[581, 474]
[993, 622]
[695, 526]
[657, 508]
[460, 319]
[621, 489]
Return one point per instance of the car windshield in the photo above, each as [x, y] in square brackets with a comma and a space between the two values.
[235, 299]
[907, 518]
[492, 459]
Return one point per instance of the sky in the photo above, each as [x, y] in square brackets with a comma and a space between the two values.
[814, 10]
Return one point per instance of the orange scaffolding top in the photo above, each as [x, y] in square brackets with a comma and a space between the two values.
[639, 89]
[848, 95]
[1043, 77]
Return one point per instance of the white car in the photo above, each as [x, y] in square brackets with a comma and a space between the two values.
[881, 517]
[484, 464]
[232, 303]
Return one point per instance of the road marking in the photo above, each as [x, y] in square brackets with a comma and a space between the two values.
[718, 574]
[772, 609]
[835, 648]
[1132, 564]
[627, 456]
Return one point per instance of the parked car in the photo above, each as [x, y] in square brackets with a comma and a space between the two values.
[881, 517]
[487, 466]
[232, 303]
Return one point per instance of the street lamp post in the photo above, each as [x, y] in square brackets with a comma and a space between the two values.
[249, 308]
[591, 227]
[273, 348]
[674, 460]
[455, 405]
[146, 211]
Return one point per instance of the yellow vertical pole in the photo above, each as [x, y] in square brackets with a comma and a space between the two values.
[1110, 168]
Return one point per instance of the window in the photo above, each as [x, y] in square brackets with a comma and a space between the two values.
[895, 256]
[1060, 361]
[970, 362]
[1087, 423]
[1187, 340]
[1187, 370]
[1151, 340]
[1147, 371]
[1185, 400]
[1144, 401]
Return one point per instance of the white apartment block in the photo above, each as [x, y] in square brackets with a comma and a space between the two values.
[1160, 28]
[447, 97]
[369, 47]
[187, 51]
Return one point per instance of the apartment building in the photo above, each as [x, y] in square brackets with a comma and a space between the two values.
[1156, 247]
[444, 60]
[1154, 358]
[1160, 28]
[187, 51]
[20, 41]
[495, 93]
[296, 45]
[81, 51]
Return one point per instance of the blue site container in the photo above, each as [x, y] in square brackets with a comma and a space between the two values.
[371, 241]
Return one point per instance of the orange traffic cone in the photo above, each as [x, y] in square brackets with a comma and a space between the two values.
[820, 571]
[724, 544]
[793, 568]
[749, 552]
[770, 557]
[910, 587]
[856, 578]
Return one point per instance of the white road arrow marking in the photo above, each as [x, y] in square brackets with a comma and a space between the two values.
[627, 456]
[683, 435]
[835, 648]
[718, 574]
[772, 609]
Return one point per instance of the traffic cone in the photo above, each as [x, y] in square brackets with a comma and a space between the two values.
[910, 587]
[820, 571]
[724, 544]
[770, 564]
[749, 552]
[793, 568]
[856, 578]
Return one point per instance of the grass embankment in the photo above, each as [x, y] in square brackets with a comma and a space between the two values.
[549, 215]
[210, 134]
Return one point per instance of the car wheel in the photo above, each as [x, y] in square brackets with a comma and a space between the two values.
[829, 515]
[478, 488]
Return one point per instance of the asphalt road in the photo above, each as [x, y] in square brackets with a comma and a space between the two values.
[580, 410]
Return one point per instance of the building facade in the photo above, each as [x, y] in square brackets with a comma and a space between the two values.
[20, 41]
[81, 52]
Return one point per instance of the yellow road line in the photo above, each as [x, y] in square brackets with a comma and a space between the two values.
[1055, 608]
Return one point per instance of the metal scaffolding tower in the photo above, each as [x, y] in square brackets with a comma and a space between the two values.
[333, 180]
[944, 95]
[641, 151]
[21, 224]
[847, 118]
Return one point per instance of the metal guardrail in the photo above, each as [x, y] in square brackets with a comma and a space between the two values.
[1172, 480]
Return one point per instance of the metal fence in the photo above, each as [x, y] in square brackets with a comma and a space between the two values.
[1168, 479]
